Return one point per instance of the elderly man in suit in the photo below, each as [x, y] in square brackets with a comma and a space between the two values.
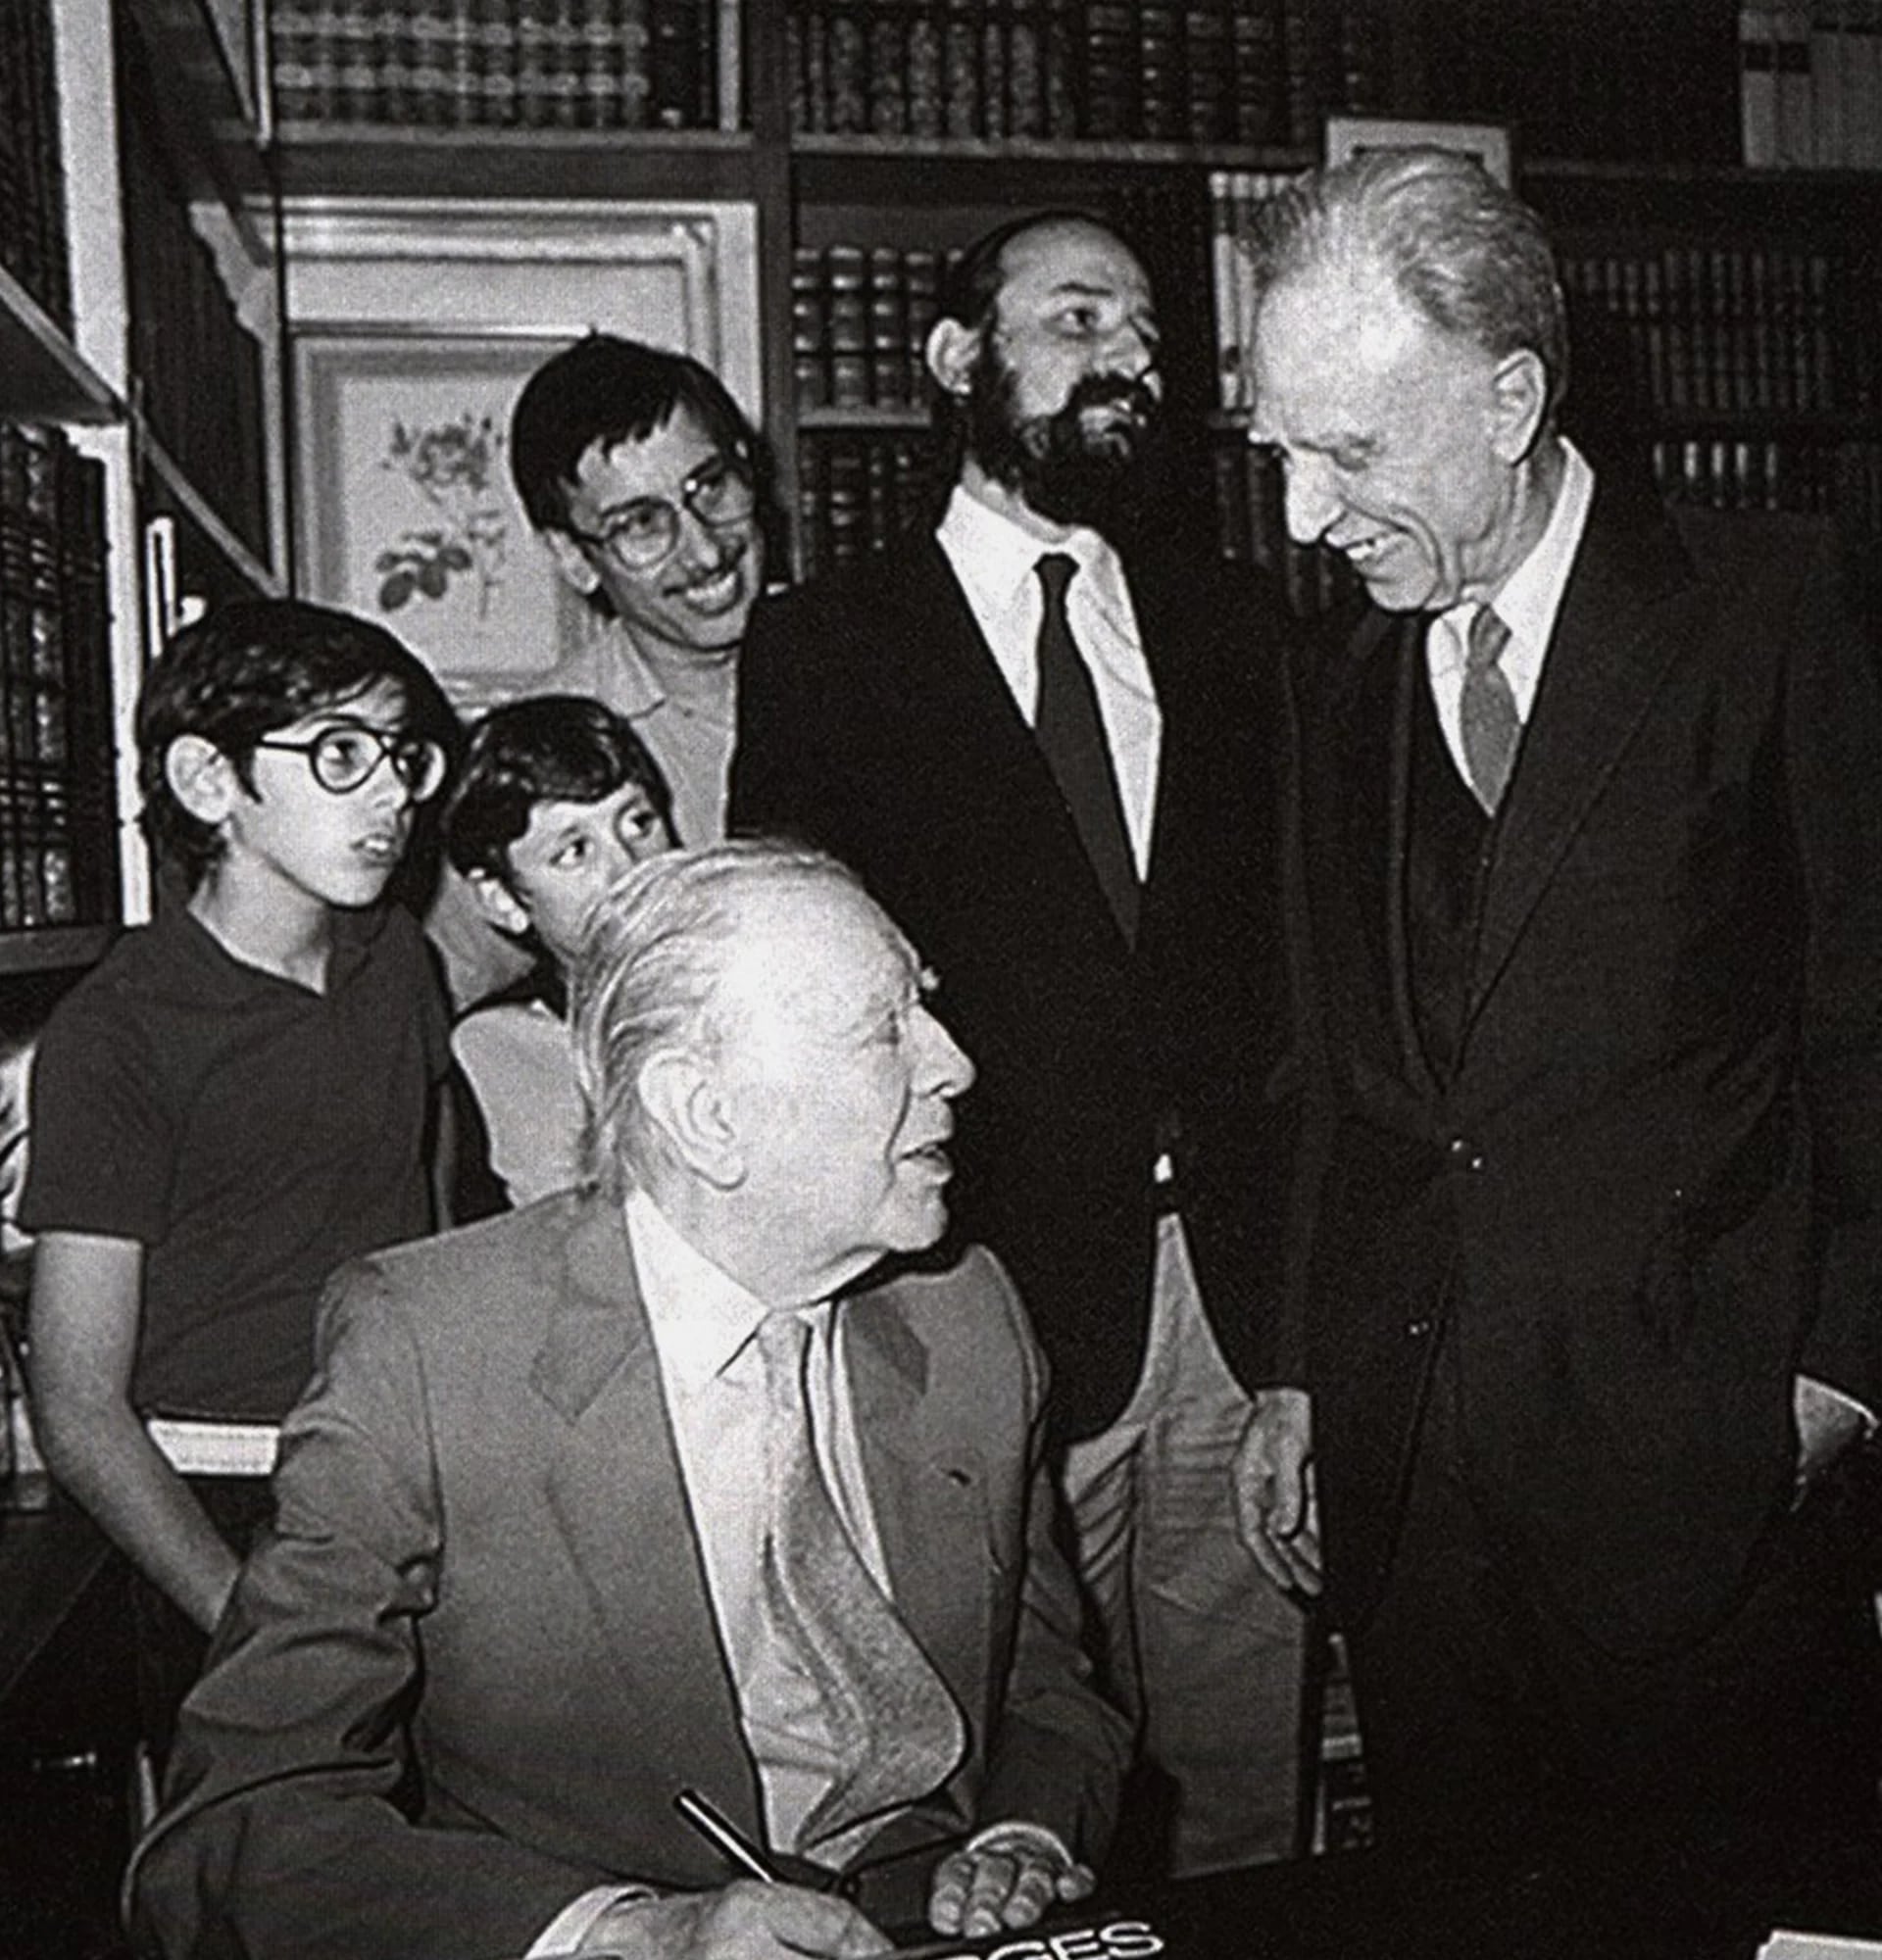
[1584, 1306]
[1051, 748]
[662, 1485]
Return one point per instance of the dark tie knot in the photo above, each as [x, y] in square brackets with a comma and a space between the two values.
[1056, 570]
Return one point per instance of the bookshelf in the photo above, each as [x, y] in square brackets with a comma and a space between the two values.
[1723, 313]
[139, 378]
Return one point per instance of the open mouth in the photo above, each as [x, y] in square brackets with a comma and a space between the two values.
[380, 848]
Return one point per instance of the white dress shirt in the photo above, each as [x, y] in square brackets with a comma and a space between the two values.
[1527, 603]
[994, 559]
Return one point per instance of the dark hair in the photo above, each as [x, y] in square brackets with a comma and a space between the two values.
[607, 390]
[1473, 258]
[549, 748]
[248, 668]
[974, 281]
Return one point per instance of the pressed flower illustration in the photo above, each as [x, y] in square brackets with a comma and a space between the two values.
[453, 465]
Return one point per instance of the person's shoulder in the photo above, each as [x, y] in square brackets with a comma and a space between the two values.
[495, 1271]
[858, 590]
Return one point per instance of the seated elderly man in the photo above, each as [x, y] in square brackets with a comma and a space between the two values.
[661, 1486]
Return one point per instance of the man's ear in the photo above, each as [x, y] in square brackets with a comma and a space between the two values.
[498, 903]
[571, 561]
[1520, 397]
[952, 351]
[687, 1103]
[201, 778]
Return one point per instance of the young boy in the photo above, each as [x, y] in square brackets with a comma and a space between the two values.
[236, 1098]
[556, 799]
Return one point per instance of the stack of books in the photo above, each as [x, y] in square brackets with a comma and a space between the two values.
[32, 185]
[859, 324]
[199, 370]
[1154, 70]
[57, 826]
[861, 492]
[509, 64]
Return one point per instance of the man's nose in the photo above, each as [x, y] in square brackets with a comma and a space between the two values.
[948, 1070]
[1130, 351]
[1309, 501]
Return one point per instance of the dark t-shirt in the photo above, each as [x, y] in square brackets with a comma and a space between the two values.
[249, 1134]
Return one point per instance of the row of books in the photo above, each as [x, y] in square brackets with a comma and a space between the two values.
[509, 64]
[200, 382]
[859, 322]
[860, 491]
[1733, 329]
[1811, 82]
[1161, 71]
[1234, 198]
[57, 826]
[1829, 478]
[33, 189]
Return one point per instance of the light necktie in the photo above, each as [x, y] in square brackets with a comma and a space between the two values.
[895, 1730]
[1487, 710]
[1070, 732]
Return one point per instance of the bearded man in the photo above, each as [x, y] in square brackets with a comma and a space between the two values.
[1051, 752]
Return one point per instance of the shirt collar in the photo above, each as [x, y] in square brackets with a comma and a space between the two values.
[702, 1318]
[995, 556]
[1531, 596]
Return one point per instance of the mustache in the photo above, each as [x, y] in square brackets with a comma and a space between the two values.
[1102, 391]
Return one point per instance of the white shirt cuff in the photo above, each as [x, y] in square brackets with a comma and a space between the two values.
[573, 1923]
[1849, 1402]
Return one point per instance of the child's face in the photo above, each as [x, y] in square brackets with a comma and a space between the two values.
[297, 837]
[569, 855]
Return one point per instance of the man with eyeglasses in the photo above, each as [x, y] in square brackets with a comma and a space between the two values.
[637, 468]
[236, 1099]
[638, 471]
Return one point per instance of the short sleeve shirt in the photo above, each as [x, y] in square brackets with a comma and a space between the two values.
[249, 1134]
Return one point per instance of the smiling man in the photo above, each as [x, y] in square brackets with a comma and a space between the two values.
[1585, 908]
[637, 468]
[699, 1479]
[1046, 736]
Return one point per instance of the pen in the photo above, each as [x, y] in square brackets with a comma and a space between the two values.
[719, 1831]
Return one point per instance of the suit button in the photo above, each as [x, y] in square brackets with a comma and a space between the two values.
[1416, 1330]
[1464, 1152]
[1459, 1146]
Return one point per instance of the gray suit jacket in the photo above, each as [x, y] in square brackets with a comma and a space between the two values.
[483, 1538]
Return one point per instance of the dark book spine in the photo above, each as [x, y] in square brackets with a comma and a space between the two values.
[848, 320]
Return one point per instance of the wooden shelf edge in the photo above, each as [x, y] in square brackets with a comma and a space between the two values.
[206, 517]
[1103, 153]
[828, 418]
[42, 375]
[393, 160]
[47, 947]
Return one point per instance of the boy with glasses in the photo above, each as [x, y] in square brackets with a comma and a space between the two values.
[236, 1099]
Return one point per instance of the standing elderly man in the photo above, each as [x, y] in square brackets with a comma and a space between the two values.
[1050, 745]
[658, 1485]
[1586, 918]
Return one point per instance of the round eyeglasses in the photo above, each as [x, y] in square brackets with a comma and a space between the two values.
[645, 533]
[342, 757]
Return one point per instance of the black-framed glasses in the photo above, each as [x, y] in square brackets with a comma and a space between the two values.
[646, 532]
[342, 757]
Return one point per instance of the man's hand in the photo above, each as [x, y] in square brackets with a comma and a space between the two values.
[1274, 1503]
[742, 1921]
[1002, 1881]
[1827, 1425]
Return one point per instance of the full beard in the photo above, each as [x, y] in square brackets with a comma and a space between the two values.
[1066, 470]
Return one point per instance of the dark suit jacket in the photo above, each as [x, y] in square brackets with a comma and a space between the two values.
[482, 1527]
[874, 722]
[1649, 1189]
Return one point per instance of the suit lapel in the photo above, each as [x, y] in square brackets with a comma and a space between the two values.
[979, 718]
[1365, 797]
[616, 1494]
[1603, 665]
